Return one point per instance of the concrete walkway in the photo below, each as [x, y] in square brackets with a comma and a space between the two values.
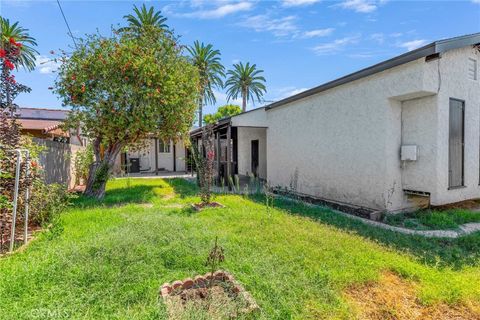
[464, 229]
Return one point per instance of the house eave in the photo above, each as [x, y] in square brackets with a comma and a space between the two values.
[436, 47]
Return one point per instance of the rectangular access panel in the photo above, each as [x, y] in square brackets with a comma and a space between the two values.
[456, 143]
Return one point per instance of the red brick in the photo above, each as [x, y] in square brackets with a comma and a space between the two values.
[219, 275]
[167, 287]
[177, 284]
[187, 283]
[200, 281]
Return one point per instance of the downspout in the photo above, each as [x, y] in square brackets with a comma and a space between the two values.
[174, 157]
[156, 156]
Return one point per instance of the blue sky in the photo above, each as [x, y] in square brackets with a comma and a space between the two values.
[298, 43]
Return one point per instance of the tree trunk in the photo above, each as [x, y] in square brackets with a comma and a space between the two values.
[200, 113]
[101, 169]
[244, 101]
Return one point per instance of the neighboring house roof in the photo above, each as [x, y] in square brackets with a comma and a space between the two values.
[41, 113]
[44, 120]
[33, 124]
[433, 48]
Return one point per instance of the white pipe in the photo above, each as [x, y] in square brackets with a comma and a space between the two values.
[15, 198]
[27, 194]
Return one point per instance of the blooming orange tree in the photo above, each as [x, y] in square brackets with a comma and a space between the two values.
[125, 88]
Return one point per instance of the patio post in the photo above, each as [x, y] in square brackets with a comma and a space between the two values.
[218, 154]
[229, 153]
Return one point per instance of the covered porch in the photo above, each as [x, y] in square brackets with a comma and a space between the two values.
[240, 147]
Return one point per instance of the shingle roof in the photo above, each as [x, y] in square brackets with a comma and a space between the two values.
[41, 113]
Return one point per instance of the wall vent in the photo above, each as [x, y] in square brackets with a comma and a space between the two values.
[472, 69]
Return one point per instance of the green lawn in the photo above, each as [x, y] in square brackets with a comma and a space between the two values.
[107, 260]
[434, 219]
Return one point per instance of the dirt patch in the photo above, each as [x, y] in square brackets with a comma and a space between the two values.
[201, 206]
[213, 303]
[393, 298]
[212, 296]
[467, 205]
[168, 196]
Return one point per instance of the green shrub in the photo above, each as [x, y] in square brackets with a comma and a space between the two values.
[81, 164]
[47, 202]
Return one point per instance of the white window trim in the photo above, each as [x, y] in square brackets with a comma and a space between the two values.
[162, 150]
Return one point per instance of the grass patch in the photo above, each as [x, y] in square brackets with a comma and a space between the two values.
[110, 260]
[443, 252]
[434, 219]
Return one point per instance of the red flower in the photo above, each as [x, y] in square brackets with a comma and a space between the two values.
[12, 41]
[9, 64]
[34, 164]
[210, 155]
[18, 45]
[83, 87]
[3, 53]
[74, 77]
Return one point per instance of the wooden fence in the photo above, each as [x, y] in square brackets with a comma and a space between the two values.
[57, 161]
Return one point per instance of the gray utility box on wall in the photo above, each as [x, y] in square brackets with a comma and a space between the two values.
[408, 153]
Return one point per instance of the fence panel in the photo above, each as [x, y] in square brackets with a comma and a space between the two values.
[57, 161]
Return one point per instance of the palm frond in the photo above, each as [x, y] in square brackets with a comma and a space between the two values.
[21, 35]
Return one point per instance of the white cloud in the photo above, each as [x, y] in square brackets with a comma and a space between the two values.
[46, 65]
[221, 98]
[17, 3]
[221, 11]
[279, 27]
[296, 3]
[363, 6]
[288, 92]
[414, 44]
[476, 1]
[318, 33]
[335, 46]
[378, 37]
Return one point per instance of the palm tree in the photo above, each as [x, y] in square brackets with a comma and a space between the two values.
[211, 72]
[26, 59]
[245, 81]
[144, 17]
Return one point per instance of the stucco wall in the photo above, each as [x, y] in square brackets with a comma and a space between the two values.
[165, 160]
[252, 118]
[455, 84]
[245, 137]
[343, 144]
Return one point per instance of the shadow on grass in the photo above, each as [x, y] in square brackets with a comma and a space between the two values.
[183, 188]
[119, 196]
[455, 253]
[138, 193]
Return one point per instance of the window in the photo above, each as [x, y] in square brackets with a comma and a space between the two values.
[472, 69]
[456, 140]
[163, 147]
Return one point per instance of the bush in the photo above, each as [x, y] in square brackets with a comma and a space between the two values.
[81, 164]
[47, 202]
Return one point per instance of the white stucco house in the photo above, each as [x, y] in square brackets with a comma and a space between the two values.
[390, 137]
[154, 157]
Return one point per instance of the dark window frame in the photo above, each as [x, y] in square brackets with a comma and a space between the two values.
[462, 185]
[164, 147]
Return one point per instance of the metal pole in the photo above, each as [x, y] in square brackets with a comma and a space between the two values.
[27, 194]
[15, 198]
